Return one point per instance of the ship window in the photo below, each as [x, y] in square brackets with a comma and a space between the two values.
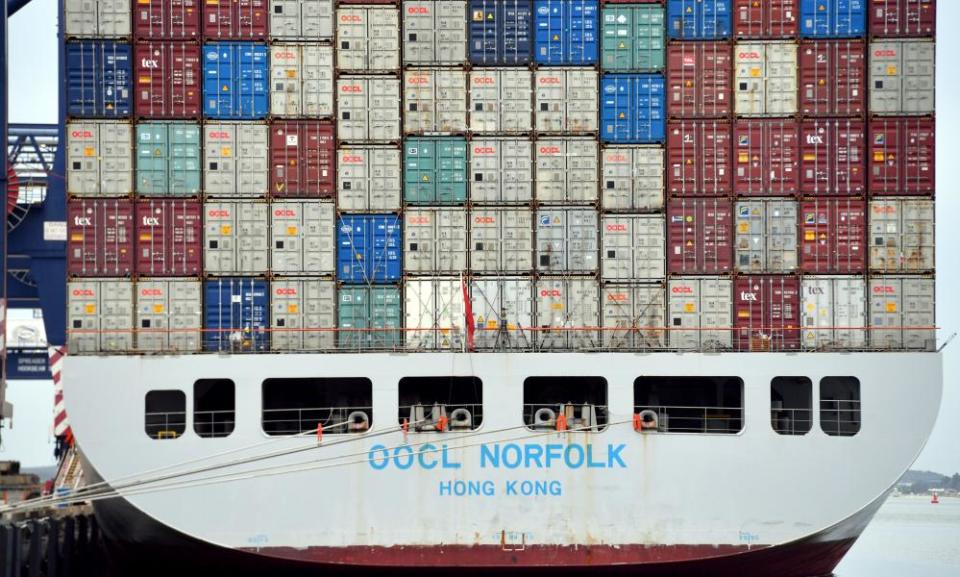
[214, 407]
[791, 405]
[840, 406]
[340, 405]
[576, 403]
[165, 414]
[441, 403]
[689, 404]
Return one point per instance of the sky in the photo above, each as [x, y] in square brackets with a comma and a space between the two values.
[33, 98]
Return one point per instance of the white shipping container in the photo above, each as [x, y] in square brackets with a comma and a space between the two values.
[434, 241]
[640, 311]
[501, 241]
[632, 178]
[502, 313]
[169, 315]
[501, 170]
[766, 78]
[368, 38]
[435, 314]
[766, 236]
[434, 101]
[902, 77]
[301, 80]
[368, 109]
[310, 20]
[567, 100]
[96, 18]
[435, 32]
[567, 170]
[99, 158]
[902, 235]
[100, 318]
[633, 248]
[368, 179]
[236, 238]
[902, 313]
[571, 305]
[304, 240]
[567, 241]
[696, 305]
[500, 100]
[834, 312]
[236, 160]
[303, 314]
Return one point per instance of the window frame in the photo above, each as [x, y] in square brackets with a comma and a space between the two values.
[185, 412]
[304, 433]
[212, 425]
[603, 421]
[793, 411]
[742, 409]
[477, 381]
[858, 411]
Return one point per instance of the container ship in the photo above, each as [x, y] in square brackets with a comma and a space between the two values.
[625, 286]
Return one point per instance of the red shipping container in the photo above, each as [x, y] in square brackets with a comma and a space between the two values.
[166, 19]
[698, 157]
[833, 236]
[767, 157]
[766, 312]
[302, 159]
[699, 79]
[101, 239]
[169, 237]
[832, 157]
[833, 77]
[902, 153]
[903, 18]
[766, 19]
[169, 80]
[700, 236]
[235, 20]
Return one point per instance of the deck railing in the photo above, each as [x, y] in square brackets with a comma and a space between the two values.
[332, 420]
[695, 419]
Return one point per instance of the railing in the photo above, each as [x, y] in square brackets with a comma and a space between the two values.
[213, 423]
[680, 419]
[456, 420]
[791, 421]
[332, 420]
[840, 418]
[577, 416]
[168, 425]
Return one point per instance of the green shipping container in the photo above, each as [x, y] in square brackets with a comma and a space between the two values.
[436, 170]
[633, 38]
[369, 308]
[168, 159]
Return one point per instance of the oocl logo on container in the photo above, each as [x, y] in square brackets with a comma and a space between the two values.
[284, 212]
[616, 158]
[749, 56]
[418, 219]
[550, 80]
[682, 290]
[555, 293]
[617, 297]
[154, 292]
[616, 228]
[81, 134]
[418, 80]
[356, 88]
[285, 55]
[884, 289]
[285, 292]
[352, 160]
[885, 53]
[549, 150]
[354, 18]
[479, 80]
[84, 293]
[218, 135]
[218, 213]
[484, 220]
[418, 10]
[484, 150]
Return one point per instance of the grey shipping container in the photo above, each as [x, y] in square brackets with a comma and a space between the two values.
[368, 109]
[368, 179]
[902, 77]
[501, 170]
[236, 238]
[902, 235]
[434, 241]
[833, 312]
[566, 100]
[96, 18]
[369, 317]
[700, 313]
[567, 241]
[301, 80]
[633, 248]
[235, 159]
[632, 178]
[902, 313]
[304, 240]
[301, 19]
[303, 314]
[100, 316]
[99, 158]
[568, 314]
[435, 313]
[766, 78]
[169, 315]
[566, 170]
[501, 100]
[368, 38]
[435, 32]
[640, 311]
[501, 241]
[502, 313]
[766, 236]
[434, 101]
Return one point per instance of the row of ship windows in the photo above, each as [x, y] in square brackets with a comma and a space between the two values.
[686, 405]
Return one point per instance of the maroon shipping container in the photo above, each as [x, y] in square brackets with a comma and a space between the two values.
[169, 237]
[767, 157]
[699, 79]
[235, 20]
[767, 313]
[833, 77]
[100, 236]
[302, 157]
[833, 236]
[903, 18]
[169, 80]
[766, 19]
[700, 236]
[832, 157]
[902, 152]
[698, 157]
[166, 19]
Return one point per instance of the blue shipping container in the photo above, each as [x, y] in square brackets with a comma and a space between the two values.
[99, 77]
[236, 80]
[369, 248]
[500, 32]
[633, 108]
[567, 31]
[235, 315]
[699, 19]
[833, 18]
